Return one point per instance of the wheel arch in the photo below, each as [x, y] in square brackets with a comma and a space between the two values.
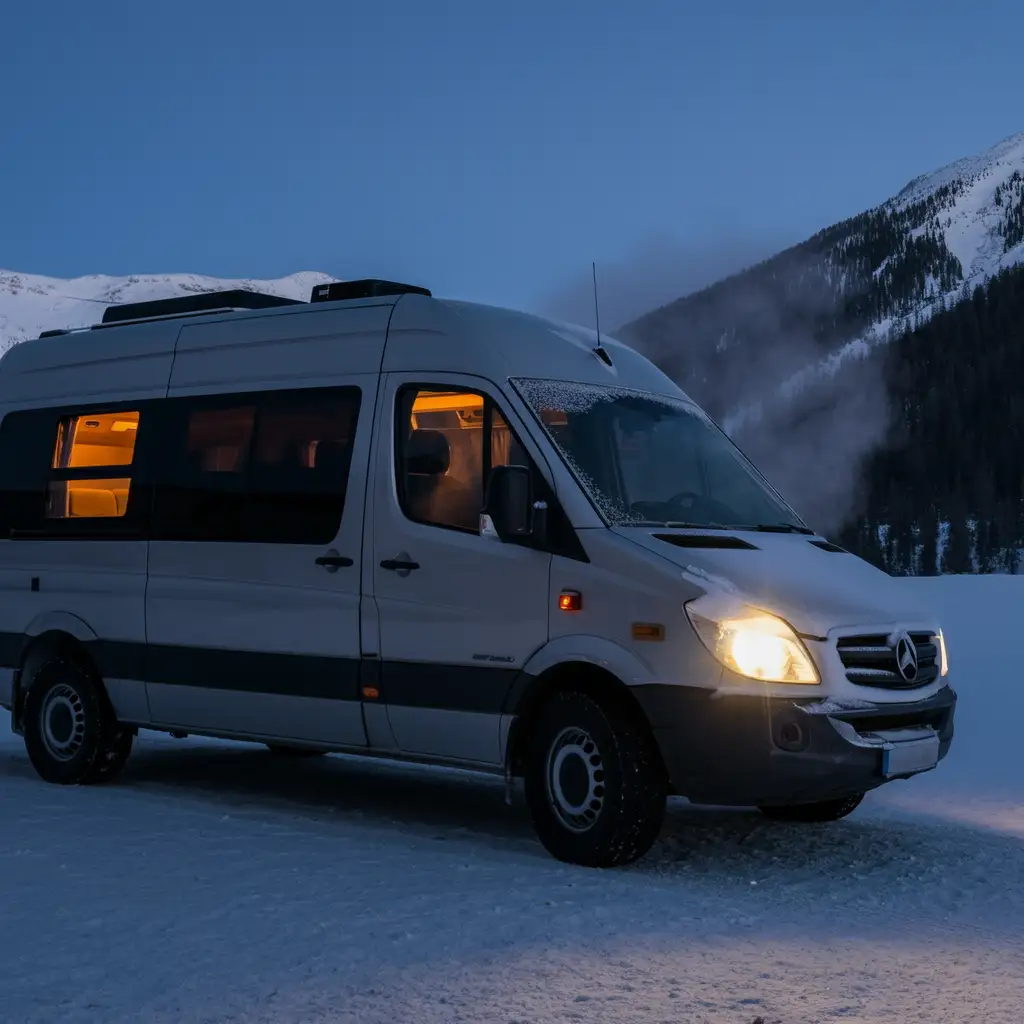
[590, 665]
[49, 636]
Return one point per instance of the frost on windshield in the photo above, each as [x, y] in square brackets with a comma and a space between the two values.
[569, 396]
[650, 459]
[555, 401]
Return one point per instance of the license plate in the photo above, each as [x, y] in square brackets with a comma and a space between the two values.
[911, 756]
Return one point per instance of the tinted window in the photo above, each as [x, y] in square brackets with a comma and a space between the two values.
[447, 443]
[298, 471]
[72, 473]
[103, 443]
[271, 467]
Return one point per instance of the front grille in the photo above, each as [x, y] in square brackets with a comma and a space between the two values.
[871, 660]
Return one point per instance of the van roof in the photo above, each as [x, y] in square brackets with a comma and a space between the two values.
[424, 334]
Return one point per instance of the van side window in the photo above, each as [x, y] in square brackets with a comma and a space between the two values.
[299, 466]
[91, 466]
[270, 467]
[447, 442]
[199, 470]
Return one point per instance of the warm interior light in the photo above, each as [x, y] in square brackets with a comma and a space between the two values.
[446, 401]
[88, 499]
[102, 439]
[467, 407]
[100, 442]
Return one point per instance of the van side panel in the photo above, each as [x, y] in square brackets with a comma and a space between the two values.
[100, 583]
[114, 365]
[258, 639]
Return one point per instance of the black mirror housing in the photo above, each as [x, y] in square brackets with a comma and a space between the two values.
[509, 501]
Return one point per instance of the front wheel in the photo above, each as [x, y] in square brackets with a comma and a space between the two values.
[595, 785]
[826, 810]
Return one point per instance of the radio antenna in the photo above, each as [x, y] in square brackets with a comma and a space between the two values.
[599, 349]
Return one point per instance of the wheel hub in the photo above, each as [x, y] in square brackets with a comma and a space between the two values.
[575, 779]
[63, 723]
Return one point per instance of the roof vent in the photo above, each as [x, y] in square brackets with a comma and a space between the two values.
[200, 302]
[369, 288]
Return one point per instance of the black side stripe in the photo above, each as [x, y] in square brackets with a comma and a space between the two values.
[407, 684]
[447, 687]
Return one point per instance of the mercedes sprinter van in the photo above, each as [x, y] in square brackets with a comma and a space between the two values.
[387, 524]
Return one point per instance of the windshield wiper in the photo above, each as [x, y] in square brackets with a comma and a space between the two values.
[673, 524]
[779, 528]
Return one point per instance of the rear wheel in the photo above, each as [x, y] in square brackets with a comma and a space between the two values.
[71, 734]
[826, 810]
[594, 782]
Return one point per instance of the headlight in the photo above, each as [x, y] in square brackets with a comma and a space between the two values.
[943, 660]
[750, 642]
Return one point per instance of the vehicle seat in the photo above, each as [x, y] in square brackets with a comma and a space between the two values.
[433, 495]
[91, 503]
[331, 462]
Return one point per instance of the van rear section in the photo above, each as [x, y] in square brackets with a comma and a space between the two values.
[396, 526]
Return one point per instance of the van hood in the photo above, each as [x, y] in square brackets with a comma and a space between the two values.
[813, 589]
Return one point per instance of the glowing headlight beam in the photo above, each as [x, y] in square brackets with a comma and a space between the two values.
[753, 644]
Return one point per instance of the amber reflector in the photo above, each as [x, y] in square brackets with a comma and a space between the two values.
[648, 631]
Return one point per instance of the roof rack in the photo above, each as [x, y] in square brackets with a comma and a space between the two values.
[199, 302]
[368, 288]
[206, 303]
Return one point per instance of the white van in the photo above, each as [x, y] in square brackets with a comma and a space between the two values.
[388, 524]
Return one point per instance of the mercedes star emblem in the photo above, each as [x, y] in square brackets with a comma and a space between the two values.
[906, 657]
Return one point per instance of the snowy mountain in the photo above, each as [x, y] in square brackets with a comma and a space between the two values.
[803, 313]
[30, 304]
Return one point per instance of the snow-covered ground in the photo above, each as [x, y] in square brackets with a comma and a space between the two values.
[213, 883]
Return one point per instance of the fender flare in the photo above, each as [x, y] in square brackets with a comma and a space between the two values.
[58, 622]
[611, 658]
[585, 649]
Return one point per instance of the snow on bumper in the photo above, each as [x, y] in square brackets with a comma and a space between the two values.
[749, 751]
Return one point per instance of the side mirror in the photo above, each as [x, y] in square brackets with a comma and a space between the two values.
[508, 504]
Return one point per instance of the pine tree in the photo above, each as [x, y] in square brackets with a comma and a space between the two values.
[957, 554]
[929, 536]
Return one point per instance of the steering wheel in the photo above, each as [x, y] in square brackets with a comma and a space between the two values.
[680, 499]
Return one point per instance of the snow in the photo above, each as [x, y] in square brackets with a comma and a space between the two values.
[31, 304]
[214, 883]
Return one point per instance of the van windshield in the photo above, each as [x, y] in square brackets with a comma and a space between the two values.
[648, 459]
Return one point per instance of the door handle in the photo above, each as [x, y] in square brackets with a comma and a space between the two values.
[332, 561]
[402, 564]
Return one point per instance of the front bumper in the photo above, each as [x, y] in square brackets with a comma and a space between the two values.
[763, 751]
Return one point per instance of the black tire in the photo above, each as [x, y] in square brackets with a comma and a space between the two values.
[282, 750]
[809, 814]
[115, 754]
[71, 735]
[595, 784]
